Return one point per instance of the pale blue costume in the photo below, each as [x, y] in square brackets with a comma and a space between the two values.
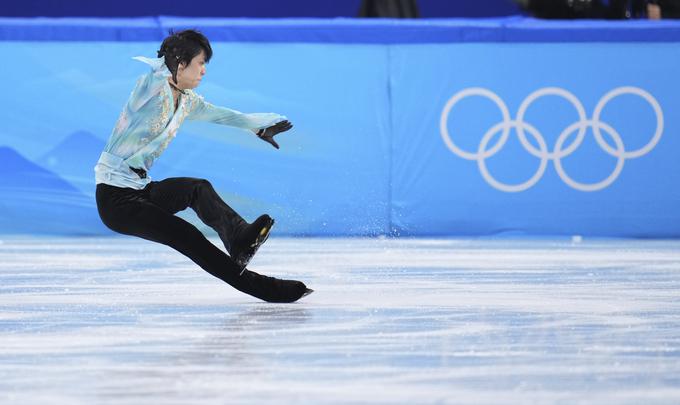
[148, 123]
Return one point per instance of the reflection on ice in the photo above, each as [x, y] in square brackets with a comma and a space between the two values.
[391, 321]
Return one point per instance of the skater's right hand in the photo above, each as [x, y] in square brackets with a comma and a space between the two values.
[267, 134]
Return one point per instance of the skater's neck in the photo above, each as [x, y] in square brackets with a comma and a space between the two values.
[175, 87]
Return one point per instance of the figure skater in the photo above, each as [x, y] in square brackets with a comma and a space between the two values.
[129, 202]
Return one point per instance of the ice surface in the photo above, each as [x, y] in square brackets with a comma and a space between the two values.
[124, 321]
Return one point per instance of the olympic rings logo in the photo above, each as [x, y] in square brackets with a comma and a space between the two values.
[559, 151]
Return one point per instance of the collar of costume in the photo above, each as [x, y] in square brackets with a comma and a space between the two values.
[157, 64]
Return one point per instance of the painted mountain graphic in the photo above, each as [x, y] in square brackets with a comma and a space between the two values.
[73, 160]
[37, 201]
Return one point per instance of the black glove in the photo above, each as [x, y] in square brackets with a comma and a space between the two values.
[267, 134]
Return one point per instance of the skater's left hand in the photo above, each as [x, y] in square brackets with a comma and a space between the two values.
[267, 134]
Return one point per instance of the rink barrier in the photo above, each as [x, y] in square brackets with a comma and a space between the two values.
[508, 126]
[341, 30]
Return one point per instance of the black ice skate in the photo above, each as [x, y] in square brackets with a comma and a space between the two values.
[249, 239]
[271, 289]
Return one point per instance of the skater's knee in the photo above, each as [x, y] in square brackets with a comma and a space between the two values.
[203, 184]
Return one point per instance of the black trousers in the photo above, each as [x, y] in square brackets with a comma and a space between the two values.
[149, 214]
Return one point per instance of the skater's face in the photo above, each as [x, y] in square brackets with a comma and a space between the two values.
[189, 76]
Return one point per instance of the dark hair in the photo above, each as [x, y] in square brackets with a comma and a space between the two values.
[182, 47]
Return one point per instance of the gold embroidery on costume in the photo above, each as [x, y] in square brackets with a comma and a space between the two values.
[161, 121]
[182, 110]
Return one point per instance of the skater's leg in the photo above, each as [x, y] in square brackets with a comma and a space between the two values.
[185, 238]
[131, 213]
[178, 193]
[242, 240]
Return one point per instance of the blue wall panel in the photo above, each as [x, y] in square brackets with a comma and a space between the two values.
[327, 178]
[437, 188]
[371, 151]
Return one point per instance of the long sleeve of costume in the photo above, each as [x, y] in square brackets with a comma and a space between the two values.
[202, 110]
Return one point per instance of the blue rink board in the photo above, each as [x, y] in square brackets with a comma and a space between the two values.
[371, 152]
[341, 30]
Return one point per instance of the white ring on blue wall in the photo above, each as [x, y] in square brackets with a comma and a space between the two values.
[543, 153]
